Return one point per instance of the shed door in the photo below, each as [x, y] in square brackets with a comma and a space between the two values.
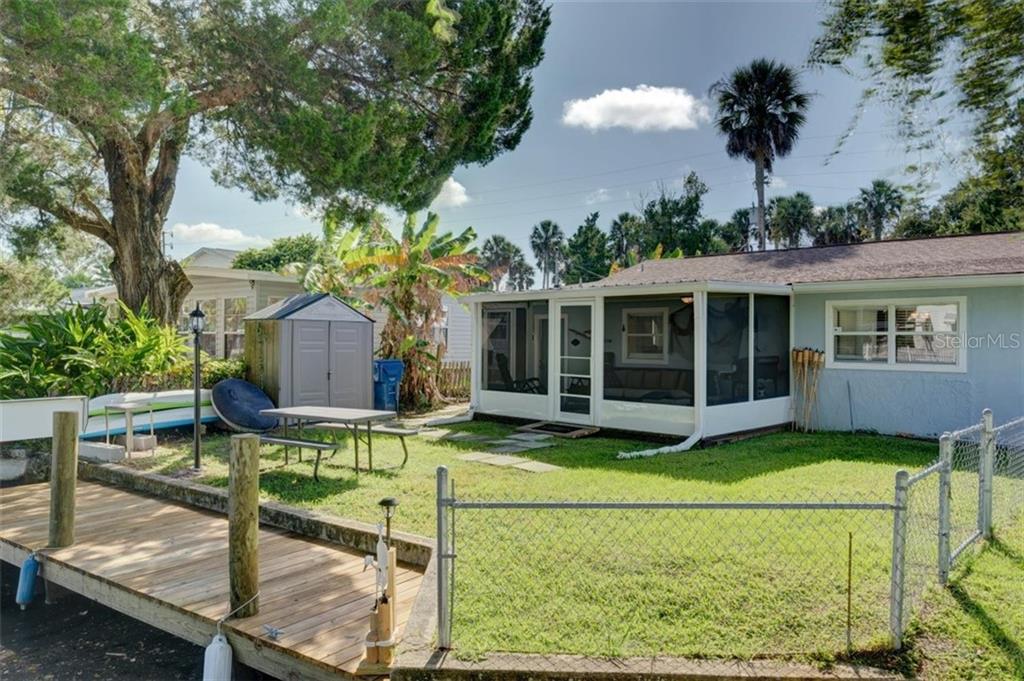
[351, 358]
[310, 365]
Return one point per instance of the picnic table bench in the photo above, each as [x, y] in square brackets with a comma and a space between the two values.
[287, 442]
[385, 429]
[338, 418]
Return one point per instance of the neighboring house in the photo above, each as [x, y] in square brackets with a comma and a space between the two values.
[227, 295]
[919, 336]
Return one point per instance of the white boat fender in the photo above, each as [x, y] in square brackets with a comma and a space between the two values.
[27, 580]
[217, 658]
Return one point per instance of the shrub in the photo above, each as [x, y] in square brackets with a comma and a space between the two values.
[85, 351]
[180, 375]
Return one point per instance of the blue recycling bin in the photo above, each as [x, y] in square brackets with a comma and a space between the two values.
[387, 377]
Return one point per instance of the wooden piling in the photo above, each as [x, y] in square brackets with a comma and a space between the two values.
[63, 478]
[243, 524]
[386, 622]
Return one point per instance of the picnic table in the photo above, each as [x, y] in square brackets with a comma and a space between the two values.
[129, 409]
[350, 419]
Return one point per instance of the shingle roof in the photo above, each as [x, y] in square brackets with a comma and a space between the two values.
[998, 253]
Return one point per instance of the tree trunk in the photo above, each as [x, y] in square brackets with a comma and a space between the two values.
[759, 184]
[140, 201]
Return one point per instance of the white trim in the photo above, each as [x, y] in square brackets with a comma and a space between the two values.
[232, 273]
[648, 358]
[890, 363]
[963, 281]
[626, 291]
[967, 281]
[556, 387]
[510, 329]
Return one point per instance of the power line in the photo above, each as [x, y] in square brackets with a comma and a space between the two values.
[569, 178]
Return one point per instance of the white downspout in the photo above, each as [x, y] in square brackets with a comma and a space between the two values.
[700, 386]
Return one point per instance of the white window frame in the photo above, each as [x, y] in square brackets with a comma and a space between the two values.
[511, 312]
[890, 333]
[648, 358]
[240, 331]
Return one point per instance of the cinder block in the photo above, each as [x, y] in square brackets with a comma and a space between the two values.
[100, 451]
[142, 445]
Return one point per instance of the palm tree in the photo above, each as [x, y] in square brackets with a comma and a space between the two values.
[837, 225]
[624, 236]
[760, 111]
[548, 244]
[497, 256]
[520, 272]
[736, 232]
[881, 204]
[790, 217]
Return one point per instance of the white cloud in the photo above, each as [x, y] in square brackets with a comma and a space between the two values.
[452, 195]
[598, 196]
[776, 182]
[642, 108]
[210, 234]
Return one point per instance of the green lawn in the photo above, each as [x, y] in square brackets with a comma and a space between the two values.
[975, 629]
[694, 582]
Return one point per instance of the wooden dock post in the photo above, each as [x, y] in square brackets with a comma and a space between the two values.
[244, 524]
[63, 478]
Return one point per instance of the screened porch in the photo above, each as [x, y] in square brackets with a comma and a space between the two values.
[668, 361]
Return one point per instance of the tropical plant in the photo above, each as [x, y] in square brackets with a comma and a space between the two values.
[548, 244]
[404, 277]
[587, 254]
[880, 206]
[789, 218]
[86, 351]
[316, 100]
[408, 278]
[286, 250]
[760, 111]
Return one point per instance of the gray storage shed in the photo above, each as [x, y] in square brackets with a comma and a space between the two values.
[311, 350]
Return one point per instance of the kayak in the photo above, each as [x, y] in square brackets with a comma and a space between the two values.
[171, 409]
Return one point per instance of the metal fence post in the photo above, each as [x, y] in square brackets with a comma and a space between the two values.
[945, 489]
[444, 615]
[899, 537]
[985, 474]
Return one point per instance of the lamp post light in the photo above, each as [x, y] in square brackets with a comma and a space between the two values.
[388, 505]
[196, 322]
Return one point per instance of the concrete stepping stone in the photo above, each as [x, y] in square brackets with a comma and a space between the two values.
[530, 437]
[536, 467]
[473, 456]
[468, 437]
[503, 460]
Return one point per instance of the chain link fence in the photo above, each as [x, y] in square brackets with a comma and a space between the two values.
[619, 579]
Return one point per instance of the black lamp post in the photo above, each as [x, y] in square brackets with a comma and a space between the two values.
[196, 322]
[388, 505]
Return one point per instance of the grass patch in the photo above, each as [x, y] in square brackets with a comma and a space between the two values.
[696, 583]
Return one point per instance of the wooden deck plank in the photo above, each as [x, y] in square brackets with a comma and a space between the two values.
[166, 563]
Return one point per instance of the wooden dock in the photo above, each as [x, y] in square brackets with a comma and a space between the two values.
[166, 564]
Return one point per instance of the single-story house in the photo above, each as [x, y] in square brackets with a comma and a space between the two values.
[919, 336]
[227, 295]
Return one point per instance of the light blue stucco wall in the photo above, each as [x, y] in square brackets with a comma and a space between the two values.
[918, 402]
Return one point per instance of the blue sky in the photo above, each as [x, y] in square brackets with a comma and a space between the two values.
[600, 140]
